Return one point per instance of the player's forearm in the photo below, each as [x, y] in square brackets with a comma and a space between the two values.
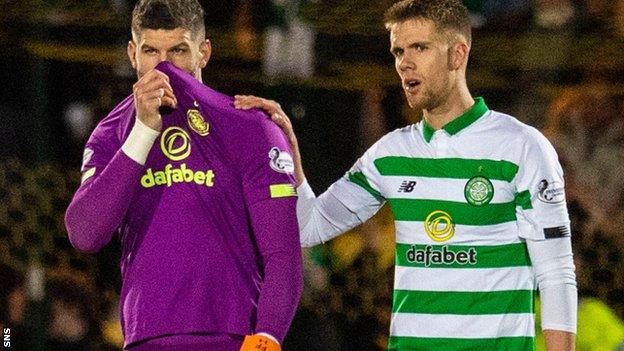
[280, 294]
[276, 230]
[299, 174]
[100, 204]
[325, 217]
[557, 340]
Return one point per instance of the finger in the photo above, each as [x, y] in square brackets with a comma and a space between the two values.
[280, 119]
[160, 86]
[153, 99]
[170, 96]
[149, 78]
[245, 99]
[153, 74]
[167, 101]
[155, 84]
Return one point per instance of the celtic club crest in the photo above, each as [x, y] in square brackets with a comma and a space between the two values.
[479, 191]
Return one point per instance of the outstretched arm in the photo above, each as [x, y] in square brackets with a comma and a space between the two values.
[343, 206]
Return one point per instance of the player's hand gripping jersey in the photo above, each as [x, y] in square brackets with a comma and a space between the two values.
[480, 215]
[208, 225]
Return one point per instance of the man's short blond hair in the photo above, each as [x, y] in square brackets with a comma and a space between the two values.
[448, 15]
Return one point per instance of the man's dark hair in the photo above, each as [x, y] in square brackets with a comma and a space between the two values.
[446, 14]
[169, 14]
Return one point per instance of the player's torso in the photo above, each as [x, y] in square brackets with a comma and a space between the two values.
[189, 205]
[461, 269]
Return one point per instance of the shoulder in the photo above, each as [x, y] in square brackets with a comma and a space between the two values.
[526, 142]
[251, 126]
[513, 130]
[394, 142]
[114, 125]
[245, 124]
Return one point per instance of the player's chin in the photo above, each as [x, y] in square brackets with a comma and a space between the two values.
[414, 101]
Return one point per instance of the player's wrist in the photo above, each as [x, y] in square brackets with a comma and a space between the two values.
[139, 142]
[152, 122]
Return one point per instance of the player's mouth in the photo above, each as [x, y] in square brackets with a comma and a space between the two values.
[411, 85]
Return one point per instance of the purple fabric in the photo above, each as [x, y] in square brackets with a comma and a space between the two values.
[195, 258]
[213, 342]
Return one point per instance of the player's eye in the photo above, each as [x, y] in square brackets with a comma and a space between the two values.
[149, 51]
[178, 50]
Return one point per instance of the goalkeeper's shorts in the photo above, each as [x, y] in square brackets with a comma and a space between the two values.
[190, 342]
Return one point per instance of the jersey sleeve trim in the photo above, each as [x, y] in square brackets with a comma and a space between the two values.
[282, 190]
[523, 199]
[360, 179]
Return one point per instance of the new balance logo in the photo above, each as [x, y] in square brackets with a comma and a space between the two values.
[407, 186]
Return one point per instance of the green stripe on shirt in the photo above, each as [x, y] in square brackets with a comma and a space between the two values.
[523, 199]
[360, 179]
[519, 343]
[463, 302]
[457, 168]
[440, 256]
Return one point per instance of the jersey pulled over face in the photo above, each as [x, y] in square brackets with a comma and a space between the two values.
[421, 60]
[191, 259]
[178, 46]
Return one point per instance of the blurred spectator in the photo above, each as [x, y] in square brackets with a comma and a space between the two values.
[585, 124]
[13, 301]
[618, 19]
[289, 41]
[73, 320]
[554, 14]
[596, 16]
[505, 16]
[79, 119]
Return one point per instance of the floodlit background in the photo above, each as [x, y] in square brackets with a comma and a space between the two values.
[555, 64]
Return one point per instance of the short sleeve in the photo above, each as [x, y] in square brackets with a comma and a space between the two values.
[540, 191]
[268, 167]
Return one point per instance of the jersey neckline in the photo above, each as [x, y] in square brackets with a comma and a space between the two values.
[461, 122]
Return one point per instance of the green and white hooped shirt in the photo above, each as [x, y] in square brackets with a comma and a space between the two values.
[465, 199]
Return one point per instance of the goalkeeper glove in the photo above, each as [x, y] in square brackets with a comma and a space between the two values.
[258, 342]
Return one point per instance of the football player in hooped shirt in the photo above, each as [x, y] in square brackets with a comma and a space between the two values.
[477, 197]
[202, 196]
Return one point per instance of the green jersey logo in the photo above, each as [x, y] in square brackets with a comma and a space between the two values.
[479, 191]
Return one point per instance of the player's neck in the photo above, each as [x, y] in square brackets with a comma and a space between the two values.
[456, 104]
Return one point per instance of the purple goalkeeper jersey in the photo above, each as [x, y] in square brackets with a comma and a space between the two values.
[208, 226]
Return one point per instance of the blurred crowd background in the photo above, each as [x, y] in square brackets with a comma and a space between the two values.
[555, 64]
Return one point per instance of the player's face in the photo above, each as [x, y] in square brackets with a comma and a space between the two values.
[149, 47]
[421, 56]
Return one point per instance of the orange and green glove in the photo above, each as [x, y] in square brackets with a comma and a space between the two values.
[259, 342]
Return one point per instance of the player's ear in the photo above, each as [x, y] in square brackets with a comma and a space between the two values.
[205, 48]
[458, 55]
[132, 53]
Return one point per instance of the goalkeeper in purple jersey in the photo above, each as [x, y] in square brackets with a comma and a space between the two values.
[202, 196]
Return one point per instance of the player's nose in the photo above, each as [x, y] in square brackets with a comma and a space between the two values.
[406, 63]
